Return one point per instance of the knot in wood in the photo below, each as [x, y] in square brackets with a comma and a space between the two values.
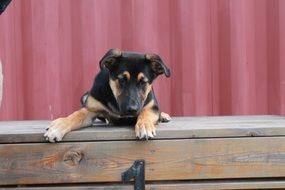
[73, 157]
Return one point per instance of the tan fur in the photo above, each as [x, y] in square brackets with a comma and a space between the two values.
[148, 114]
[94, 105]
[114, 84]
[147, 90]
[127, 75]
[115, 87]
[97, 107]
[145, 126]
[148, 87]
[140, 76]
[78, 119]
[59, 127]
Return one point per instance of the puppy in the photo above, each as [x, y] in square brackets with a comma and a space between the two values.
[122, 94]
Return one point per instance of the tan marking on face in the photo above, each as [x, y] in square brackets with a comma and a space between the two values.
[148, 86]
[115, 87]
[126, 75]
[148, 89]
[144, 93]
[140, 76]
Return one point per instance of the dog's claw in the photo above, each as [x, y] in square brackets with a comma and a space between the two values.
[145, 130]
[56, 130]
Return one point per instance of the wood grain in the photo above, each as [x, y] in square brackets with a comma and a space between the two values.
[186, 185]
[178, 128]
[185, 159]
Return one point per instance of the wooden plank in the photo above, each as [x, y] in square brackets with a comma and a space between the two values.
[193, 185]
[165, 160]
[179, 127]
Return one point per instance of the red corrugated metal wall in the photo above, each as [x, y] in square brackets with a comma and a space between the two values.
[226, 56]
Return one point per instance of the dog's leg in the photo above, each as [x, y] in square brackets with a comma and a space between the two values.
[148, 118]
[59, 127]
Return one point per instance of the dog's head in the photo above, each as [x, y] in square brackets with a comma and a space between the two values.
[131, 77]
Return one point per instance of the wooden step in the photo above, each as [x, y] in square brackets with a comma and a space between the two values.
[187, 148]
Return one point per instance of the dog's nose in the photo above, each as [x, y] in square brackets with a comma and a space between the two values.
[132, 109]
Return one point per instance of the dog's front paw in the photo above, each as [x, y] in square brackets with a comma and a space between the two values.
[164, 117]
[145, 129]
[57, 129]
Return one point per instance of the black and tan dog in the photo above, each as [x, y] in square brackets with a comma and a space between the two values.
[121, 94]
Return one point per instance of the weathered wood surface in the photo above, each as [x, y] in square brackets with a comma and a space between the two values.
[178, 128]
[186, 185]
[184, 159]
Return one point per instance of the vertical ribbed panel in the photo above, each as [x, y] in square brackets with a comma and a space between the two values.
[227, 57]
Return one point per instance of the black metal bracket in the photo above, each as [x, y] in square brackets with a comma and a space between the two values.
[136, 172]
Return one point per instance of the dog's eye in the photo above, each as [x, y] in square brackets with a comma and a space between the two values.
[142, 83]
[122, 81]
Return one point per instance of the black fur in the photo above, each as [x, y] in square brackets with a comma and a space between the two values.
[116, 62]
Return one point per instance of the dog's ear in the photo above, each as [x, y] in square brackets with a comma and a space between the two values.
[157, 65]
[109, 58]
